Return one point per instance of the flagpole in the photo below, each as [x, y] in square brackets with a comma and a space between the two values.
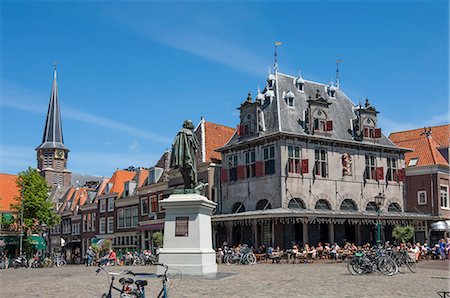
[21, 224]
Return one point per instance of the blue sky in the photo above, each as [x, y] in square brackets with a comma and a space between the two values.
[129, 73]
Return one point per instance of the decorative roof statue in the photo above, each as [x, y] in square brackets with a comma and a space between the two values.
[183, 155]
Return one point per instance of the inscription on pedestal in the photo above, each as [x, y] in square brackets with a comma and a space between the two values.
[182, 226]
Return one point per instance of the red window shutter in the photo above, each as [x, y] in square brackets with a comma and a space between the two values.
[366, 132]
[329, 125]
[223, 175]
[238, 129]
[377, 133]
[305, 168]
[259, 169]
[380, 173]
[241, 172]
[395, 178]
[401, 174]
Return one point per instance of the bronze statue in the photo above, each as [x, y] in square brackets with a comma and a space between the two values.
[183, 154]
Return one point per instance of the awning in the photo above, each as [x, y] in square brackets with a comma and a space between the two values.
[441, 226]
[37, 241]
[151, 227]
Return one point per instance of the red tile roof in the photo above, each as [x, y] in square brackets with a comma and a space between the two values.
[9, 191]
[118, 179]
[425, 149]
[440, 134]
[143, 176]
[216, 136]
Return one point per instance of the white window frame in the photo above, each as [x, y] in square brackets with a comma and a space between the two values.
[419, 193]
[110, 204]
[102, 225]
[143, 211]
[102, 205]
[413, 162]
[110, 225]
[120, 216]
[134, 216]
[440, 196]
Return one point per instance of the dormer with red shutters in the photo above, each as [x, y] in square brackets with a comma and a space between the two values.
[365, 126]
[319, 121]
[248, 114]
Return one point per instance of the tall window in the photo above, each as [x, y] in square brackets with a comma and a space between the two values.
[391, 169]
[110, 225]
[321, 164]
[294, 160]
[444, 197]
[421, 197]
[134, 216]
[249, 158]
[93, 221]
[269, 160]
[88, 222]
[120, 218]
[144, 206]
[102, 205]
[110, 204]
[371, 165]
[126, 189]
[232, 167]
[154, 204]
[102, 225]
[127, 215]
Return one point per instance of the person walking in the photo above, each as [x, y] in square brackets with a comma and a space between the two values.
[89, 256]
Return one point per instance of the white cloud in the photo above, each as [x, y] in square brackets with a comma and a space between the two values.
[18, 97]
[186, 36]
[134, 145]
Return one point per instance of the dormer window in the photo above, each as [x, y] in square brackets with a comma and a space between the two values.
[320, 122]
[289, 97]
[248, 125]
[300, 84]
[369, 129]
[331, 90]
[126, 189]
[271, 81]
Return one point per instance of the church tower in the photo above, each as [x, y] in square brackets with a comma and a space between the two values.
[52, 154]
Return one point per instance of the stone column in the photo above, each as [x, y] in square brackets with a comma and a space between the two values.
[358, 234]
[229, 233]
[273, 232]
[305, 233]
[255, 233]
[331, 232]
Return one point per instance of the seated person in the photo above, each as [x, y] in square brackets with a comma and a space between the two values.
[109, 259]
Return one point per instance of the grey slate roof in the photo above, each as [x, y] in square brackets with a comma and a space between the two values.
[53, 136]
[279, 117]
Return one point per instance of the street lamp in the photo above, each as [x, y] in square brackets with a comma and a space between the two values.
[44, 235]
[379, 200]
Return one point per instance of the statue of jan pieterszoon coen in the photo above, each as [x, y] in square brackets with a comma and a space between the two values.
[183, 154]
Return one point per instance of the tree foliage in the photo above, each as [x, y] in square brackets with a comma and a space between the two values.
[403, 233]
[158, 239]
[37, 208]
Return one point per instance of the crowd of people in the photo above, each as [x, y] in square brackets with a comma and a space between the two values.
[333, 251]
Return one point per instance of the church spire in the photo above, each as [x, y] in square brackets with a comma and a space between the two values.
[53, 136]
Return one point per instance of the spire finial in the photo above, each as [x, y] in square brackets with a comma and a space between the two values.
[55, 63]
[259, 90]
[338, 83]
[275, 64]
[300, 73]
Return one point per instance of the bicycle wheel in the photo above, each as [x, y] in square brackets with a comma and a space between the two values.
[411, 264]
[251, 258]
[354, 267]
[387, 266]
[227, 259]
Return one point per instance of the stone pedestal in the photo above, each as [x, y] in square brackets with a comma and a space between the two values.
[187, 235]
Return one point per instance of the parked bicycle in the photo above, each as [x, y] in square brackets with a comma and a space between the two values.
[362, 263]
[244, 257]
[134, 288]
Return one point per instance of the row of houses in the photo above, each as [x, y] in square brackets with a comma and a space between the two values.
[305, 164]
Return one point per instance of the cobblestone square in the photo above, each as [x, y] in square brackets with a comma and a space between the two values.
[320, 279]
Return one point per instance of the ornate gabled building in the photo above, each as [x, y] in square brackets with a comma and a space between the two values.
[305, 166]
[52, 154]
